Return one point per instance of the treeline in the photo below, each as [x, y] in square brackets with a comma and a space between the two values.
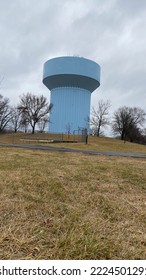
[32, 110]
[127, 123]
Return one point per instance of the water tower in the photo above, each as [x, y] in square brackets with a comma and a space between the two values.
[71, 81]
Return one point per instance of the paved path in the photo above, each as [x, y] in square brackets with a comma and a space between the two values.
[34, 147]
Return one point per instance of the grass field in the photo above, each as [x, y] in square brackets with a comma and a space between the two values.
[98, 144]
[71, 206]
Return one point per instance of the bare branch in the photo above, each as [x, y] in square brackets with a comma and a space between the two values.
[33, 108]
[99, 116]
[5, 113]
[128, 121]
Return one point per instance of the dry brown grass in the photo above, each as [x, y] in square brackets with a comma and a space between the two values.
[99, 144]
[105, 144]
[71, 206]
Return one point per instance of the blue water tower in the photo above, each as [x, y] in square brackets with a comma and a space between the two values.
[71, 81]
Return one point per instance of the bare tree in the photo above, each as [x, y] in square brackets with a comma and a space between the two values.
[127, 122]
[16, 119]
[99, 116]
[144, 135]
[68, 127]
[24, 122]
[5, 113]
[43, 123]
[33, 108]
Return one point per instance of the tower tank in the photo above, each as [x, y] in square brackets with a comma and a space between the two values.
[71, 81]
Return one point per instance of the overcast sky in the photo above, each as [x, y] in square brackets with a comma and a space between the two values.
[111, 32]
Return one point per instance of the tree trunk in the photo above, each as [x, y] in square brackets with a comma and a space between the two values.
[98, 130]
[122, 135]
[33, 128]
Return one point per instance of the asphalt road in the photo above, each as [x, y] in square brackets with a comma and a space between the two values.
[34, 147]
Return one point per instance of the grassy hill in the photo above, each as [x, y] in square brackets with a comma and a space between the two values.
[100, 144]
[57, 205]
[105, 144]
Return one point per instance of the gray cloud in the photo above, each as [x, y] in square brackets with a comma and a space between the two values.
[112, 32]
